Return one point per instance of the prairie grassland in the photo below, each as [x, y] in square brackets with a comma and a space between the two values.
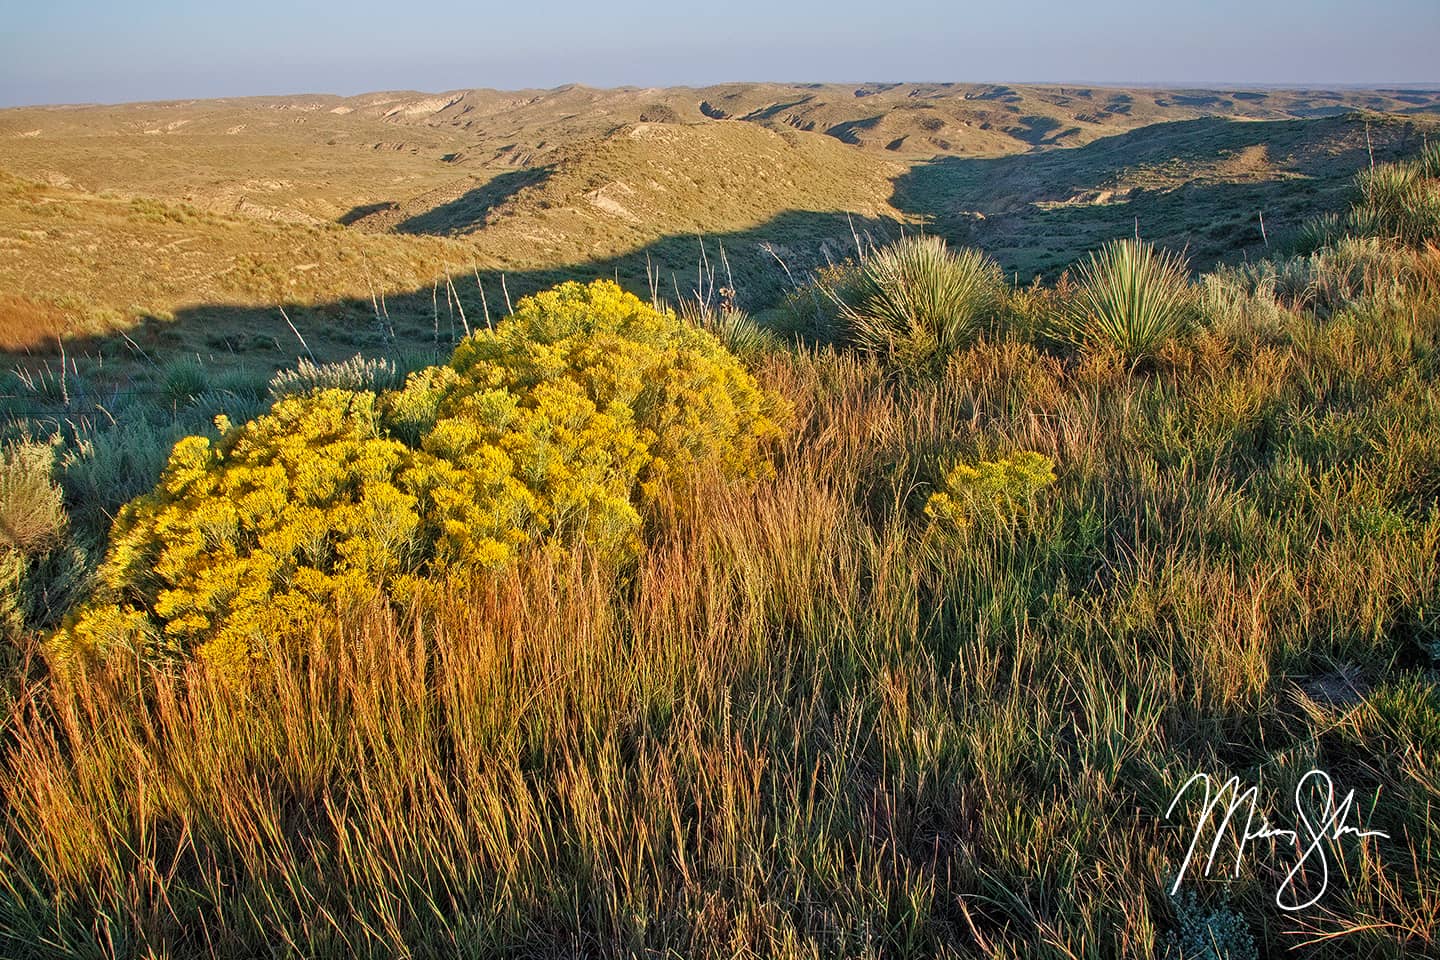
[815, 716]
[807, 722]
[79, 265]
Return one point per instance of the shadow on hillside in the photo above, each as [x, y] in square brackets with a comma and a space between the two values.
[849, 131]
[1194, 185]
[469, 211]
[765, 113]
[244, 344]
[357, 214]
[1043, 131]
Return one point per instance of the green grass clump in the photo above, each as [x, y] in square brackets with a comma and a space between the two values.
[184, 380]
[1131, 299]
[358, 373]
[1321, 231]
[917, 301]
[41, 570]
[1396, 202]
[32, 511]
[813, 309]
[32, 522]
[736, 329]
[1427, 163]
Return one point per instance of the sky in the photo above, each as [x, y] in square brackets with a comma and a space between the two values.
[73, 51]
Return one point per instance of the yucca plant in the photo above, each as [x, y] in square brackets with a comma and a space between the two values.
[1363, 221]
[1130, 298]
[1384, 187]
[357, 373]
[1319, 232]
[1428, 163]
[184, 380]
[1402, 200]
[917, 301]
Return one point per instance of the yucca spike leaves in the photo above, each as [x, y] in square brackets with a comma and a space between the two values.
[1132, 298]
[918, 300]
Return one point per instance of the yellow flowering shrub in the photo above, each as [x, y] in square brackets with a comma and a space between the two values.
[267, 528]
[997, 490]
[586, 351]
[552, 428]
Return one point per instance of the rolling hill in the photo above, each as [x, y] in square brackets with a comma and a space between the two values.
[111, 214]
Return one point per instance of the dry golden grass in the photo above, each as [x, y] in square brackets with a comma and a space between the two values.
[81, 265]
[652, 181]
[27, 324]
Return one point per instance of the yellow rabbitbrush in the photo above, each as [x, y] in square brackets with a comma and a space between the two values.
[555, 428]
[991, 490]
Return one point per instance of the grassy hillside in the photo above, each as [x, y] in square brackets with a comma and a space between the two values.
[80, 266]
[1201, 186]
[645, 182]
[300, 159]
[234, 203]
[323, 157]
[996, 119]
[661, 178]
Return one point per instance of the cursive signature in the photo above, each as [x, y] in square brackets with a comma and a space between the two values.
[1325, 821]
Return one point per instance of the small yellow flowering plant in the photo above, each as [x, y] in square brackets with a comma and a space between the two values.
[990, 491]
[554, 428]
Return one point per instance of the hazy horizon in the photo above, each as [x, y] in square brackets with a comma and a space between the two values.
[1192, 85]
[81, 51]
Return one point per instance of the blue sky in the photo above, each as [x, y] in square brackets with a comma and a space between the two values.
[59, 51]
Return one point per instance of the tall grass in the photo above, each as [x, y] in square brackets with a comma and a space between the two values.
[39, 571]
[1402, 200]
[32, 513]
[733, 327]
[1332, 278]
[1396, 202]
[357, 373]
[797, 727]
